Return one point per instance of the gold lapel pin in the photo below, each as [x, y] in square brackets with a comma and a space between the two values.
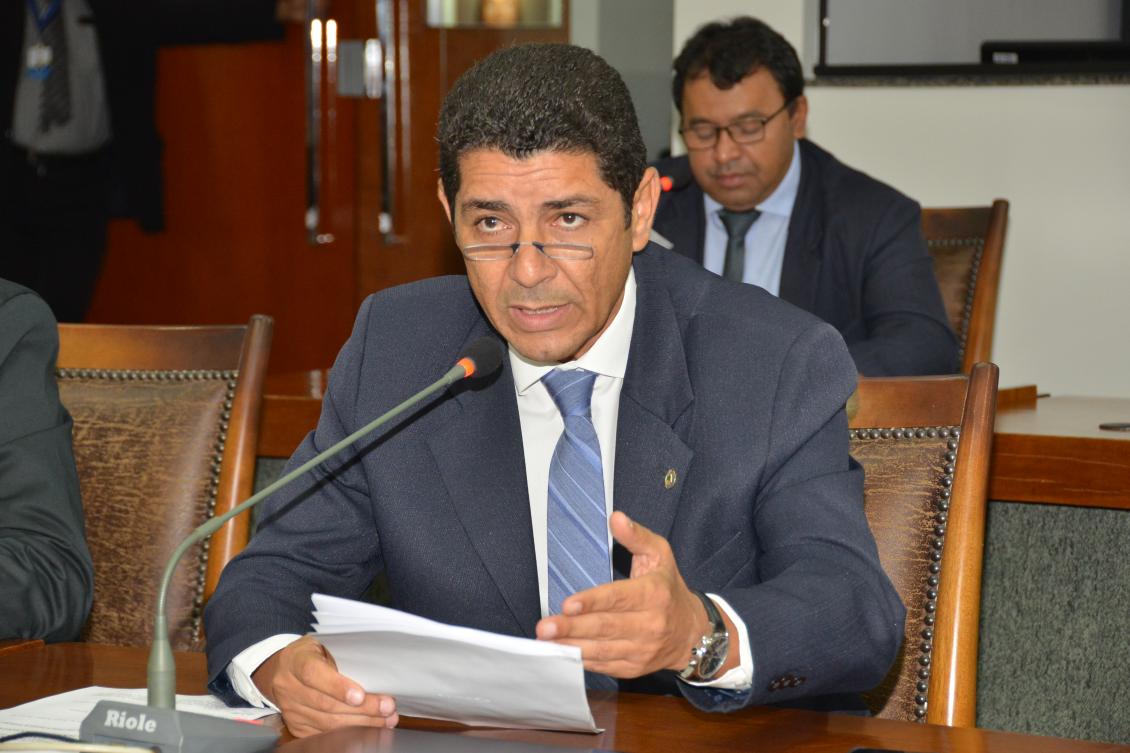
[670, 478]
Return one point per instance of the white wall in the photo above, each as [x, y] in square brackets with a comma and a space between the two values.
[1059, 154]
[645, 64]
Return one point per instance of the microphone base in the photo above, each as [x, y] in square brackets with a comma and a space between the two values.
[172, 731]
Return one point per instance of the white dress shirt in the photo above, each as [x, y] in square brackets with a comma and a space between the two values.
[766, 238]
[541, 426]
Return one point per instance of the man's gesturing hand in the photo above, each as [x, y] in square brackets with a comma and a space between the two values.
[303, 681]
[630, 628]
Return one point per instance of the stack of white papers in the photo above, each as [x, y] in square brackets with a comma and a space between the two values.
[63, 714]
[455, 673]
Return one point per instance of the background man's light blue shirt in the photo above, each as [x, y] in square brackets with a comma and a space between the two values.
[764, 241]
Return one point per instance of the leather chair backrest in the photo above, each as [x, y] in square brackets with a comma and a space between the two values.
[148, 448]
[967, 246]
[908, 477]
[165, 427]
[924, 445]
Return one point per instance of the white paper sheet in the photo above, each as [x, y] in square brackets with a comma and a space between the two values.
[455, 673]
[63, 714]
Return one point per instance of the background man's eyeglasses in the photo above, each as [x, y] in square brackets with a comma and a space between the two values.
[505, 251]
[746, 130]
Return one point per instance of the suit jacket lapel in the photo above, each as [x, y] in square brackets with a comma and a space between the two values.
[800, 272]
[681, 219]
[652, 458]
[482, 464]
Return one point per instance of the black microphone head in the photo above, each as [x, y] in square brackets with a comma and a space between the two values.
[674, 173]
[482, 357]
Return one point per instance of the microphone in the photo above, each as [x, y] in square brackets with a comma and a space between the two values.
[481, 358]
[676, 175]
[159, 724]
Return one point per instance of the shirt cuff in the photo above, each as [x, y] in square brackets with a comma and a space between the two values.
[741, 676]
[248, 660]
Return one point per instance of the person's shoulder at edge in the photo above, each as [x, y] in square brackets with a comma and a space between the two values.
[696, 292]
[28, 342]
[406, 334]
[725, 323]
[438, 308]
[9, 291]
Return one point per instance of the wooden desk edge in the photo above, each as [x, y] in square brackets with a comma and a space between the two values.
[1015, 397]
[13, 645]
[285, 422]
[639, 723]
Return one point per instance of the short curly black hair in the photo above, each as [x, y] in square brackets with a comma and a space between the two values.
[731, 51]
[532, 98]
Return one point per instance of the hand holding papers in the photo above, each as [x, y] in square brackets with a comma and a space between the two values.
[455, 673]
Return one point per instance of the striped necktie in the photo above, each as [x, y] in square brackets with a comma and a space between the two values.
[577, 520]
[55, 101]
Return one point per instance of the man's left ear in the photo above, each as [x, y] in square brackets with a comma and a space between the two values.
[643, 208]
[799, 117]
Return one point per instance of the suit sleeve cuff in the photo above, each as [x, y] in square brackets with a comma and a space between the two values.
[740, 677]
[247, 661]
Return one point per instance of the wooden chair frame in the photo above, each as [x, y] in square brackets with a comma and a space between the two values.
[984, 229]
[969, 404]
[101, 350]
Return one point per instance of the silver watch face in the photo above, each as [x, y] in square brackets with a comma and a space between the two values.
[714, 657]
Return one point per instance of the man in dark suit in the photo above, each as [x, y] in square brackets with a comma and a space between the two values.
[80, 141]
[757, 203]
[699, 423]
[46, 576]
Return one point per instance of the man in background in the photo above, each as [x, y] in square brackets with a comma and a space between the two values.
[46, 576]
[756, 202]
[80, 142]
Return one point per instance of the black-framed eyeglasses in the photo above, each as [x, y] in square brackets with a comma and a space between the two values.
[506, 251]
[748, 129]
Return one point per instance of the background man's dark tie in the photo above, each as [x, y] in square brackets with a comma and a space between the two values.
[737, 225]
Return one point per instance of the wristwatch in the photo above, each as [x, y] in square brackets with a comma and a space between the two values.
[710, 653]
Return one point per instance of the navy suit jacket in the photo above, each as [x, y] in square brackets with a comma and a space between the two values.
[855, 257]
[741, 394]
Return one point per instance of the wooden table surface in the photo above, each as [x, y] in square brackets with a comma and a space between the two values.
[1052, 450]
[633, 723]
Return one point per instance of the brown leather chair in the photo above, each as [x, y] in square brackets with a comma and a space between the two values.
[924, 445]
[967, 244]
[166, 421]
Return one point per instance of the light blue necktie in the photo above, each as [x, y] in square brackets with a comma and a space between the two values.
[577, 521]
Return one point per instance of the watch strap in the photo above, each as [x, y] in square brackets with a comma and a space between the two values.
[717, 631]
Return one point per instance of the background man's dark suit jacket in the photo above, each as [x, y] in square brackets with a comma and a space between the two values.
[46, 576]
[855, 257]
[129, 33]
[741, 394]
